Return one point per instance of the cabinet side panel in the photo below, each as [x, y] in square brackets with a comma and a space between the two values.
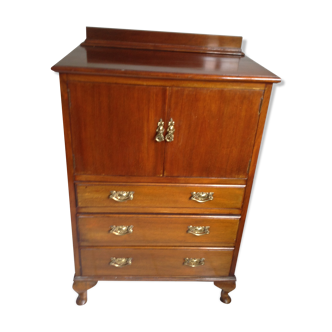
[252, 169]
[70, 167]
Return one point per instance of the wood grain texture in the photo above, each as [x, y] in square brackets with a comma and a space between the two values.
[162, 64]
[214, 132]
[81, 288]
[114, 90]
[175, 82]
[159, 196]
[70, 168]
[156, 261]
[108, 120]
[156, 230]
[252, 169]
[159, 210]
[151, 278]
[169, 41]
[164, 179]
[227, 287]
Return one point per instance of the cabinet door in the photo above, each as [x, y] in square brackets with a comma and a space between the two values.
[214, 132]
[113, 129]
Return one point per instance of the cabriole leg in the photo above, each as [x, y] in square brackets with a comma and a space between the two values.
[81, 288]
[226, 287]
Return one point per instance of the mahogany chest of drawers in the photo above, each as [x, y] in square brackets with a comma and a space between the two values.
[162, 134]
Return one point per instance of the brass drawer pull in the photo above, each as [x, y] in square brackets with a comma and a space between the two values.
[121, 196]
[170, 131]
[120, 262]
[160, 131]
[194, 262]
[201, 197]
[198, 230]
[121, 230]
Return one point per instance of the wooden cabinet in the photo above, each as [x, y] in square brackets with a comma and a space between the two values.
[162, 135]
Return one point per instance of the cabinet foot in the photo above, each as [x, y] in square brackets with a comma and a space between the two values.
[226, 287]
[81, 288]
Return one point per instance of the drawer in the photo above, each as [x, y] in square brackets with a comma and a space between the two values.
[99, 230]
[166, 262]
[166, 198]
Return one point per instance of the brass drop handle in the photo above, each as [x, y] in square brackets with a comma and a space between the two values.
[201, 197]
[121, 196]
[198, 230]
[160, 131]
[120, 262]
[121, 230]
[170, 131]
[194, 262]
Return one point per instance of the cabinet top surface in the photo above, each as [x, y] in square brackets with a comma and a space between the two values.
[163, 55]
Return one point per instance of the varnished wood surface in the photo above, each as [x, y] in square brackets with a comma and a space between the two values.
[156, 230]
[114, 128]
[227, 287]
[149, 278]
[163, 64]
[214, 132]
[102, 113]
[160, 210]
[112, 99]
[156, 261]
[251, 174]
[159, 196]
[164, 179]
[70, 168]
[165, 82]
[170, 41]
[81, 287]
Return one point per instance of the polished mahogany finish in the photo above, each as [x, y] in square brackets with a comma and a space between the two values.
[112, 119]
[168, 41]
[154, 230]
[158, 196]
[162, 64]
[226, 125]
[172, 208]
[156, 261]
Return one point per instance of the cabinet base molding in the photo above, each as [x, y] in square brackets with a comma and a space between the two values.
[83, 283]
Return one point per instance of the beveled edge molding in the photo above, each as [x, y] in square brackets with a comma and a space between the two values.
[153, 184]
[151, 215]
[166, 82]
[159, 180]
[156, 247]
[149, 278]
[143, 210]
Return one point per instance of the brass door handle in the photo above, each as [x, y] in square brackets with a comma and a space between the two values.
[121, 230]
[160, 131]
[194, 262]
[120, 262]
[201, 197]
[198, 230]
[121, 196]
[170, 131]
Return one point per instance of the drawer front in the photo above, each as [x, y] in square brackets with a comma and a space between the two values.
[156, 262]
[95, 198]
[131, 230]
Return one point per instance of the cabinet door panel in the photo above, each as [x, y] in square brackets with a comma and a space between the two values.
[214, 132]
[113, 129]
